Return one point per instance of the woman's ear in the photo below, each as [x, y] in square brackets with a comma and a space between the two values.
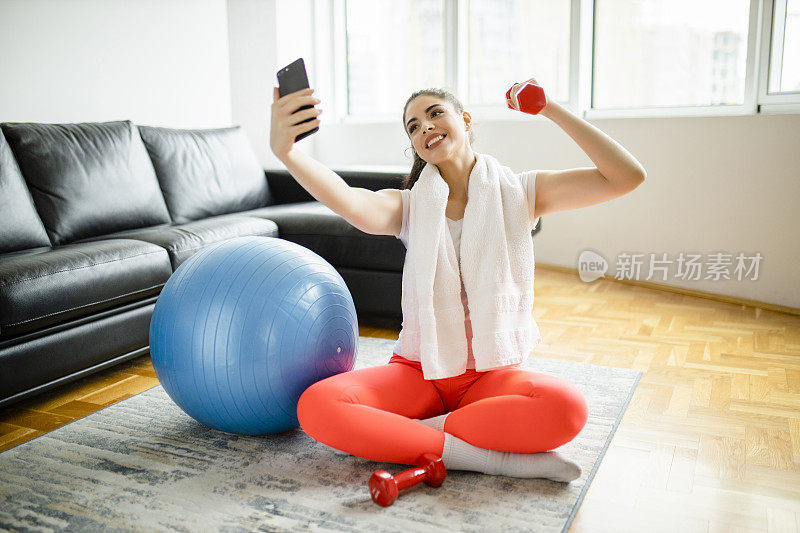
[468, 119]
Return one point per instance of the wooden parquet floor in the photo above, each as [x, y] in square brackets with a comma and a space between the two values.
[710, 441]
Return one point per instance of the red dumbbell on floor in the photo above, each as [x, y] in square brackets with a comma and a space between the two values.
[384, 487]
[528, 99]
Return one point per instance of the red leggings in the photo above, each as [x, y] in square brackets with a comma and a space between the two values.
[368, 412]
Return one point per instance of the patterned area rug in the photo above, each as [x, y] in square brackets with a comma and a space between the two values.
[144, 465]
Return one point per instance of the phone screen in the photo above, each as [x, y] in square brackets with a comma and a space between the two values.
[293, 78]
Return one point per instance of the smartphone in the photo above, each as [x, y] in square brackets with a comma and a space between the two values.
[293, 78]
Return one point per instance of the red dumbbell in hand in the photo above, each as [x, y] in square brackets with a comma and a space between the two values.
[384, 487]
[526, 97]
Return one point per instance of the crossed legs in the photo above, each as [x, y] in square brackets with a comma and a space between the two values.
[369, 412]
[517, 410]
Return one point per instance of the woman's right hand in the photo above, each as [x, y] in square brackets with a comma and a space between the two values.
[286, 124]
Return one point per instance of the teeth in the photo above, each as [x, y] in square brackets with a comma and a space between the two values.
[440, 136]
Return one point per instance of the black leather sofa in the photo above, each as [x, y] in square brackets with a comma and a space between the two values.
[95, 217]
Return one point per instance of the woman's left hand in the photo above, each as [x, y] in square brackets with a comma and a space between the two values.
[517, 86]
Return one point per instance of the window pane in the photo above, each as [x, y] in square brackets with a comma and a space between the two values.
[513, 40]
[652, 53]
[785, 60]
[393, 49]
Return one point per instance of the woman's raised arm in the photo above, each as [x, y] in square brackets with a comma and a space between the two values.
[321, 182]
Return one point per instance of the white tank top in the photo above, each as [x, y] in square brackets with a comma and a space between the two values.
[455, 232]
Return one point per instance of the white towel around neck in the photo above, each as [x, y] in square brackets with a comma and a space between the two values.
[497, 266]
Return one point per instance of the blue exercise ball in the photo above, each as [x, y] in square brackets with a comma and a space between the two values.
[243, 327]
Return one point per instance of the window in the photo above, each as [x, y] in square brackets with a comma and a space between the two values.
[393, 49]
[670, 53]
[513, 40]
[785, 60]
[599, 58]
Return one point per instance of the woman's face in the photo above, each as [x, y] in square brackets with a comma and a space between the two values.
[428, 116]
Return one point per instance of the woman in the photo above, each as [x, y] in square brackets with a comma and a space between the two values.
[500, 419]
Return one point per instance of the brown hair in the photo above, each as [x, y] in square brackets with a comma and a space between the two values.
[419, 163]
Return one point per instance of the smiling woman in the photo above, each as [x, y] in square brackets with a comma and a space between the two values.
[366, 412]
[441, 134]
[427, 114]
[332, 410]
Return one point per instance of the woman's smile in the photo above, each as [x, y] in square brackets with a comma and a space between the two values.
[437, 143]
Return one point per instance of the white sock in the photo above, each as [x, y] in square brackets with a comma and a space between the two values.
[437, 422]
[461, 455]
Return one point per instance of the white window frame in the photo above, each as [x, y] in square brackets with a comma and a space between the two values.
[330, 54]
[775, 103]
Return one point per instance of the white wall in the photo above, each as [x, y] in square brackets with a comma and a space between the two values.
[252, 45]
[259, 47]
[150, 61]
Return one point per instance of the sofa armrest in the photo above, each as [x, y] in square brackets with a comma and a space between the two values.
[284, 189]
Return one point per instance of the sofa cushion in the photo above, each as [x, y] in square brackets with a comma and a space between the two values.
[205, 172]
[21, 226]
[42, 289]
[87, 179]
[321, 230]
[183, 240]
